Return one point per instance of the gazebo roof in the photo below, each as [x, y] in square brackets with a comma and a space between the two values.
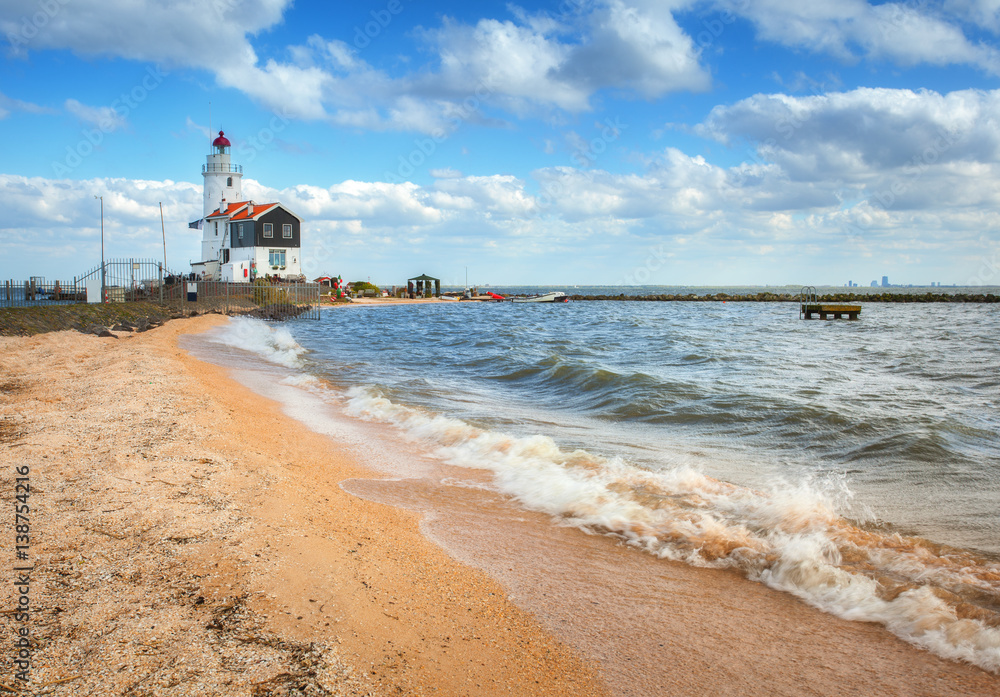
[423, 277]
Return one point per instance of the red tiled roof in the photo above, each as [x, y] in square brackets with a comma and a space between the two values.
[258, 208]
[230, 209]
[238, 210]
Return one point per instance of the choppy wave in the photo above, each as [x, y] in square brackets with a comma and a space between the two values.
[273, 343]
[791, 537]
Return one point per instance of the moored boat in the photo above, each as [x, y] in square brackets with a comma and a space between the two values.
[556, 296]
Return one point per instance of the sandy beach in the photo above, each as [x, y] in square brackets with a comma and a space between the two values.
[189, 538]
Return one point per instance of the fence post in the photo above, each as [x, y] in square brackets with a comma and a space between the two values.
[161, 282]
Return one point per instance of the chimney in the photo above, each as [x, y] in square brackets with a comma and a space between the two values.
[250, 208]
[222, 206]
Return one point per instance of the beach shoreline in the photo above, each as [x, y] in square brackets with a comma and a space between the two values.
[195, 539]
[188, 538]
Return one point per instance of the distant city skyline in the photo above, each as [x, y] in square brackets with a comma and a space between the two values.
[704, 142]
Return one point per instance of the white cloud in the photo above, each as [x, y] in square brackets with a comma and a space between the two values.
[982, 13]
[601, 224]
[190, 124]
[921, 150]
[530, 63]
[9, 105]
[104, 117]
[636, 46]
[903, 33]
[633, 46]
[445, 173]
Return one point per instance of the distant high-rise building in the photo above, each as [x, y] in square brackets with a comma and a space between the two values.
[885, 281]
[874, 284]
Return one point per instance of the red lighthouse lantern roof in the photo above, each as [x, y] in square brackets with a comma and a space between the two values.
[221, 141]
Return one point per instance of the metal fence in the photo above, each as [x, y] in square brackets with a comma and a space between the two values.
[262, 299]
[38, 291]
[132, 280]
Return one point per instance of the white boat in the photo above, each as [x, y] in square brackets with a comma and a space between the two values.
[556, 296]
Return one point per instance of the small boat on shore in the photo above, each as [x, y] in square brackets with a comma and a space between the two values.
[556, 296]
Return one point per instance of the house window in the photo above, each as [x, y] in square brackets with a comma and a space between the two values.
[229, 182]
[225, 256]
[241, 231]
[276, 257]
[216, 228]
[268, 230]
[286, 231]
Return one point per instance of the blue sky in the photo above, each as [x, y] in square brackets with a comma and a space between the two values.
[575, 142]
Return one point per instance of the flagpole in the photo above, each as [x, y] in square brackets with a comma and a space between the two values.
[164, 231]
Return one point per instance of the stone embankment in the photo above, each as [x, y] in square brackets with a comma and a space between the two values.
[793, 297]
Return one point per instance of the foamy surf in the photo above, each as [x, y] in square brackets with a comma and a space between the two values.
[791, 538]
[272, 343]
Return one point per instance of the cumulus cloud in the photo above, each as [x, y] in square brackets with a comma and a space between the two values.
[600, 223]
[521, 64]
[982, 13]
[921, 149]
[905, 33]
[634, 46]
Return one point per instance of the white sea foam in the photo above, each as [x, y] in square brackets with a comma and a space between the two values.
[272, 343]
[790, 537]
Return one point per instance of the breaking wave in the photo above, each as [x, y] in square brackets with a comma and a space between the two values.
[272, 343]
[791, 538]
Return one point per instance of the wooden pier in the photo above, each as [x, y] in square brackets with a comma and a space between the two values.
[828, 311]
[810, 305]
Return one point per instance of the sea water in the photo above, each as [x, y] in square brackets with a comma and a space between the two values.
[855, 465]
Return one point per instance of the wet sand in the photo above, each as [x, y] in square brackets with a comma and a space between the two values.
[194, 539]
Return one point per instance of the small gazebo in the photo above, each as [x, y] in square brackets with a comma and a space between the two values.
[420, 286]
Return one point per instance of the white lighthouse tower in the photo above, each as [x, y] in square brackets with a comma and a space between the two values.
[223, 182]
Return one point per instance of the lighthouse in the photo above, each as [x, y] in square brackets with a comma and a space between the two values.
[223, 179]
[243, 239]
